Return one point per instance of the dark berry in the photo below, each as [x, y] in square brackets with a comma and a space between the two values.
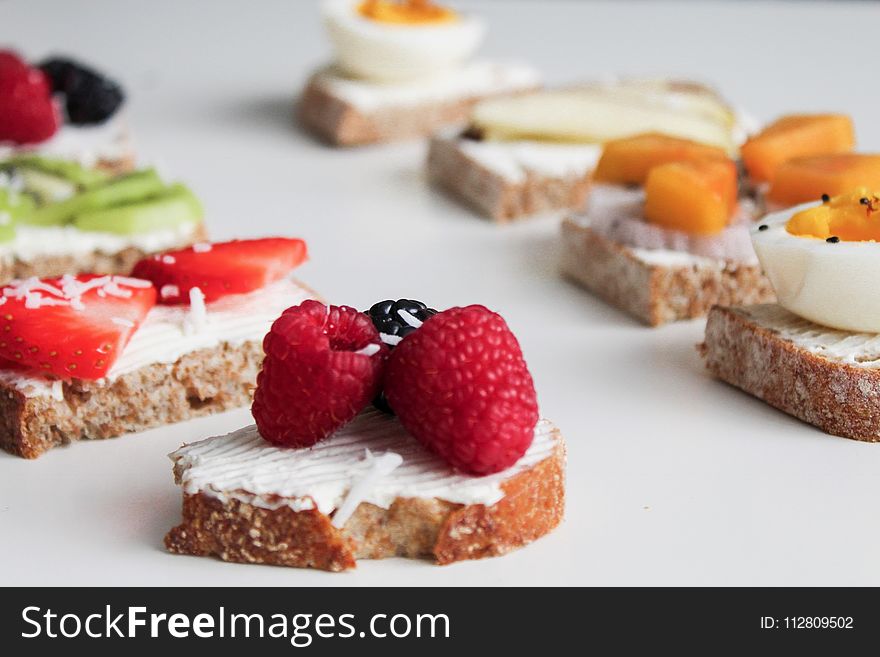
[89, 97]
[393, 327]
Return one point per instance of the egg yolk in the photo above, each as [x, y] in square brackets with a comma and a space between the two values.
[853, 217]
[407, 12]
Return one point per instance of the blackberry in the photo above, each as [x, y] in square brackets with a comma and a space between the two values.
[89, 97]
[394, 327]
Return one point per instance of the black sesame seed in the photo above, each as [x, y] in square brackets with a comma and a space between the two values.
[864, 200]
[825, 198]
[763, 227]
[834, 239]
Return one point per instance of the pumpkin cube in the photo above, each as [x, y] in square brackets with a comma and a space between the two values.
[806, 179]
[796, 135]
[694, 197]
[627, 161]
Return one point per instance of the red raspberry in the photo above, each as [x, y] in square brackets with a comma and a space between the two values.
[313, 380]
[459, 384]
[27, 112]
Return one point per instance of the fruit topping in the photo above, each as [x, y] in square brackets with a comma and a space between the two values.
[796, 135]
[221, 269]
[28, 115]
[129, 188]
[601, 112]
[694, 197]
[850, 217]
[171, 207]
[461, 387]
[805, 179]
[627, 161]
[405, 12]
[322, 367]
[395, 320]
[74, 326]
[89, 97]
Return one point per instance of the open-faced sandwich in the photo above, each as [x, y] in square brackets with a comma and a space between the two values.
[665, 234]
[536, 152]
[59, 217]
[402, 69]
[64, 109]
[461, 468]
[89, 356]
[814, 354]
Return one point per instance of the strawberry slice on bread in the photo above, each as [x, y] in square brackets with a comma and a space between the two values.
[221, 269]
[73, 326]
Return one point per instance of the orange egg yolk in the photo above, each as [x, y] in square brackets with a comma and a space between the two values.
[853, 217]
[407, 12]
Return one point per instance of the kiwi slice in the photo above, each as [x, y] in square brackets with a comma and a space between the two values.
[172, 207]
[126, 189]
[69, 170]
[12, 206]
[47, 188]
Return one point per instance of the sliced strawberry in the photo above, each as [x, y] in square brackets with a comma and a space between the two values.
[221, 269]
[74, 326]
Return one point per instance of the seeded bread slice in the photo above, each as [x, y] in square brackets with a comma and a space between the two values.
[430, 528]
[825, 377]
[656, 292]
[200, 383]
[340, 123]
[494, 196]
[98, 262]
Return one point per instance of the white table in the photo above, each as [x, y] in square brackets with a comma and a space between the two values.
[673, 478]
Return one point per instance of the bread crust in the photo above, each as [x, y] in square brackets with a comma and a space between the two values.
[840, 398]
[97, 262]
[532, 506]
[339, 123]
[494, 196]
[199, 383]
[655, 293]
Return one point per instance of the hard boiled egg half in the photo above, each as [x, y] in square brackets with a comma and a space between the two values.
[393, 41]
[823, 260]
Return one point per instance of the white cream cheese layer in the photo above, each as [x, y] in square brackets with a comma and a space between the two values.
[87, 144]
[856, 349]
[516, 160]
[33, 242]
[169, 332]
[241, 465]
[472, 80]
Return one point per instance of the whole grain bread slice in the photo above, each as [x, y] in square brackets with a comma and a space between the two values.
[339, 122]
[199, 383]
[427, 528]
[813, 373]
[656, 292]
[494, 196]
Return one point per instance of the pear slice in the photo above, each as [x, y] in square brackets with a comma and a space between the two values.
[125, 189]
[600, 112]
[174, 206]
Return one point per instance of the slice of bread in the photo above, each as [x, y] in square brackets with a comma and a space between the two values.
[52, 265]
[656, 286]
[826, 377]
[199, 383]
[403, 514]
[508, 191]
[171, 370]
[345, 112]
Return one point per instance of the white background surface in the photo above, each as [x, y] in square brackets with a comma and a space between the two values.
[673, 478]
